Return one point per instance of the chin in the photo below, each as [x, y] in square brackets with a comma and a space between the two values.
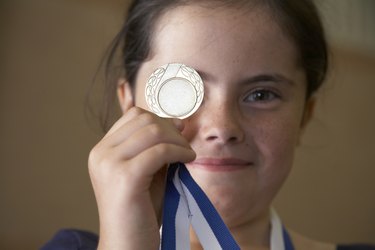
[232, 203]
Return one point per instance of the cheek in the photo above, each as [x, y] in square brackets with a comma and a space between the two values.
[276, 141]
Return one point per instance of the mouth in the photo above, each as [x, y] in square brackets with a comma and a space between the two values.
[220, 164]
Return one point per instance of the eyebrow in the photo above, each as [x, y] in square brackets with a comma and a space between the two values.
[271, 77]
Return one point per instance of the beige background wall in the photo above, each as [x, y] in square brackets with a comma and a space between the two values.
[49, 52]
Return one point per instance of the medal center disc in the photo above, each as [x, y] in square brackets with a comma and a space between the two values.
[177, 97]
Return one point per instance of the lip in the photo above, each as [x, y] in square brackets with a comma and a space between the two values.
[220, 164]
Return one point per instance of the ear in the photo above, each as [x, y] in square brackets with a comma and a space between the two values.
[308, 112]
[124, 95]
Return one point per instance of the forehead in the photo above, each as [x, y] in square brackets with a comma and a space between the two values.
[199, 29]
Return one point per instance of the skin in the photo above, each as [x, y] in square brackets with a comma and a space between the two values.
[238, 146]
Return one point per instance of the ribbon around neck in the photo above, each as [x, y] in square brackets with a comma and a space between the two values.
[185, 205]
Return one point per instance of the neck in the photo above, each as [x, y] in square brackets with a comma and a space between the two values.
[253, 234]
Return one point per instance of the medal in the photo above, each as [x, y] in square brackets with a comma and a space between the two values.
[174, 91]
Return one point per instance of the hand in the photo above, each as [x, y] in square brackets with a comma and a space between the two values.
[127, 170]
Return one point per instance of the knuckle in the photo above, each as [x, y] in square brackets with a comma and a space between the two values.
[107, 163]
[155, 130]
[137, 110]
[134, 111]
[147, 118]
[98, 159]
[105, 168]
[93, 156]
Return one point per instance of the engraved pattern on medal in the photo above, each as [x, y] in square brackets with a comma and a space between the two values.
[195, 80]
[151, 89]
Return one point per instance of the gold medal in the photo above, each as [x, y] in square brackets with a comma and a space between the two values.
[174, 91]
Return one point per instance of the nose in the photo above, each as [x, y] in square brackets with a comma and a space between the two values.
[220, 124]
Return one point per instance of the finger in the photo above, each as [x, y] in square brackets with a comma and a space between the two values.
[128, 128]
[148, 137]
[138, 123]
[153, 159]
[178, 124]
[131, 114]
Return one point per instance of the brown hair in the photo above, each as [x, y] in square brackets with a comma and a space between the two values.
[299, 19]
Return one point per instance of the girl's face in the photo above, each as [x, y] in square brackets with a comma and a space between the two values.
[246, 130]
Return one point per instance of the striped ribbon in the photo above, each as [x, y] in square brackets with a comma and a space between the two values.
[186, 204]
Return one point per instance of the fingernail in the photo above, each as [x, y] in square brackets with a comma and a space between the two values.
[179, 124]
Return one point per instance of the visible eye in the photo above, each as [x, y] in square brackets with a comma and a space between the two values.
[261, 95]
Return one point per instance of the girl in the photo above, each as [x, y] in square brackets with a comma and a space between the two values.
[261, 63]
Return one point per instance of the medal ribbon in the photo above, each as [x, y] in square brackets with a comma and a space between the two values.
[186, 204]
